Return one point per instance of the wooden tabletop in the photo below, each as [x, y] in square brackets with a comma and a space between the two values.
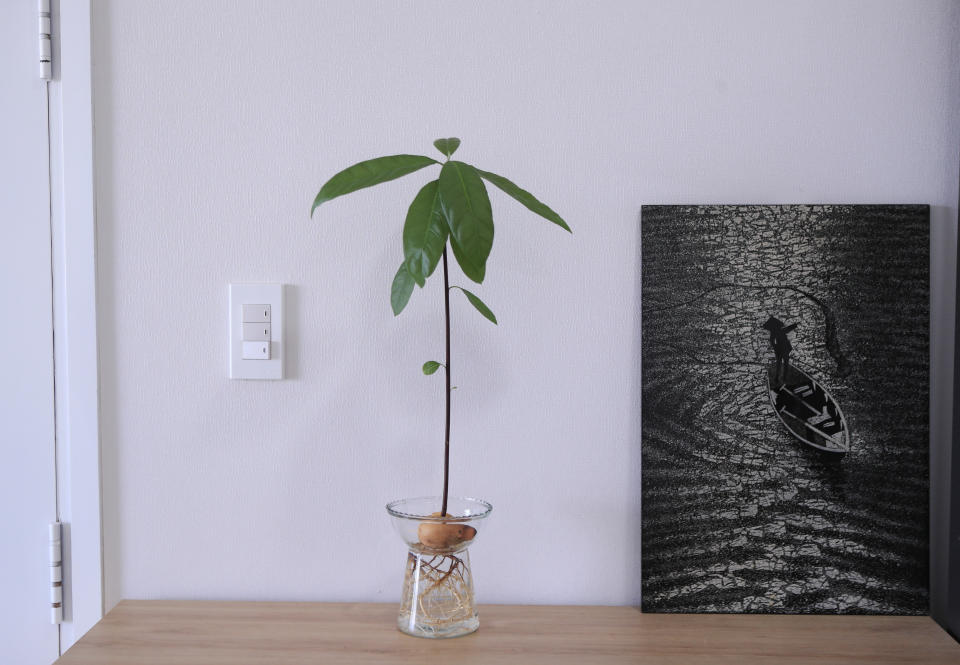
[202, 633]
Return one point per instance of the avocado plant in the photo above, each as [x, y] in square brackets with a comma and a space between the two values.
[452, 210]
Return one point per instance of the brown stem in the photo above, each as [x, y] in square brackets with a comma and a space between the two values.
[446, 436]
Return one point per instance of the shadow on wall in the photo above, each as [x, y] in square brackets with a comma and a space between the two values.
[944, 430]
[107, 302]
[952, 618]
[634, 581]
[292, 304]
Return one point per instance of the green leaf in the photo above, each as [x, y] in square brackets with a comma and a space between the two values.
[525, 197]
[401, 289]
[424, 233]
[447, 146]
[466, 207]
[431, 366]
[479, 304]
[369, 173]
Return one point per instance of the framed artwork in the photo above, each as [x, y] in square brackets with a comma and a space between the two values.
[785, 399]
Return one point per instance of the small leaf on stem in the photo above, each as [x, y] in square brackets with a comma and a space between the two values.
[447, 146]
[479, 304]
[431, 366]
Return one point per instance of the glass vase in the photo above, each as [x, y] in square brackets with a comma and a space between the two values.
[438, 596]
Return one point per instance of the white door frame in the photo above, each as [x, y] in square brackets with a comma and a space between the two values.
[75, 320]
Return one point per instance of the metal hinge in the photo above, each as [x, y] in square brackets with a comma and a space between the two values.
[43, 7]
[56, 574]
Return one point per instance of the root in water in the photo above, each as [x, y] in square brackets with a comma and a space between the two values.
[437, 590]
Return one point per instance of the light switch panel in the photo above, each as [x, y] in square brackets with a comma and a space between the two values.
[256, 331]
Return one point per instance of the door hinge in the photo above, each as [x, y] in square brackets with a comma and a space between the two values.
[56, 574]
[43, 7]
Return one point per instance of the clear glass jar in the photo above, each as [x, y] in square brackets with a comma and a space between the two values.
[438, 597]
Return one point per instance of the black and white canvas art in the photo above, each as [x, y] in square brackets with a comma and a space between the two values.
[785, 374]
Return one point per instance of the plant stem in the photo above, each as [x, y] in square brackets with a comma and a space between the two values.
[446, 436]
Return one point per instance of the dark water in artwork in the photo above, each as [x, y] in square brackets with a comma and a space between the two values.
[738, 515]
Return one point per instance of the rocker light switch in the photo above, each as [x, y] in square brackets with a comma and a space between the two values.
[256, 313]
[256, 351]
[256, 331]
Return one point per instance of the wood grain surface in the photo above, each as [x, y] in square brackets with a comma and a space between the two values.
[241, 633]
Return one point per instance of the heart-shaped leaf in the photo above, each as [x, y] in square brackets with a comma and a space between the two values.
[424, 233]
[466, 208]
[479, 304]
[369, 173]
[401, 289]
[431, 366]
[447, 146]
[525, 197]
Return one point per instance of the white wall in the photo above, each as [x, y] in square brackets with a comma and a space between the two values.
[216, 123]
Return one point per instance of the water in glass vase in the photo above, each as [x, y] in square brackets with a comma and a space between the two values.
[438, 594]
[438, 598]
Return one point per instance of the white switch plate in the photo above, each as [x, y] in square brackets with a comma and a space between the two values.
[256, 294]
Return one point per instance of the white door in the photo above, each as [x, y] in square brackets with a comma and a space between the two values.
[27, 462]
